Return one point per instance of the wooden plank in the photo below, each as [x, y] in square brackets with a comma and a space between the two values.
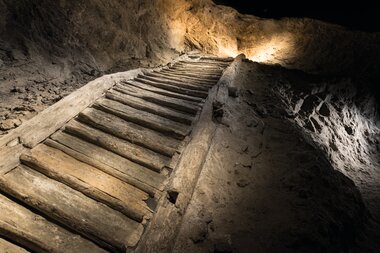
[199, 68]
[151, 121]
[183, 84]
[204, 62]
[36, 233]
[187, 171]
[211, 63]
[7, 247]
[194, 93]
[193, 81]
[147, 106]
[133, 152]
[217, 59]
[67, 206]
[189, 74]
[156, 90]
[162, 230]
[54, 117]
[90, 181]
[227, 81]
[10, 157]
[129, 131]
[206, 65]
[103, 167]
[197, 71]
[133, 89]
[124, 169]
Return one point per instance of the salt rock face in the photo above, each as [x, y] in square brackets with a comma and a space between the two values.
[304, 44]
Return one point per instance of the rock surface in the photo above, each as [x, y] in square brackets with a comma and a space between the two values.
[268, 186]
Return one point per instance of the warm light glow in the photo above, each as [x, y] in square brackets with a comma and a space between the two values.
[275, 50]
[228, 51]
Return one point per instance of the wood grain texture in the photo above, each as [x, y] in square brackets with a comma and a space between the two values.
[131, 151]
[129, 131]
[174, 88]
[133, 173]
[8, 247]
[36, 233]
[145, 119]
[141, 104]
[89, 180]
[159, 91]
[65, 205]
[171, 102]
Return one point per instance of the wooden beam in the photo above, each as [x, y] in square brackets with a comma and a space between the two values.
[162, 230]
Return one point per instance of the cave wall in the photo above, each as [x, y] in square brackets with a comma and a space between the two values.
[102, 34]
[109, 34]
[305, 44]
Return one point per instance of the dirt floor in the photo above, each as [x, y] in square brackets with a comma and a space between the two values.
[267, 187]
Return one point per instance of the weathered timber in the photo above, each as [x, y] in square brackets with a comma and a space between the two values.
[133, 152]
[183, 84]
[210, 63]
[185, 91]
[183, 181]
[174, 103]
[10, 157]
[190, 74]
[90, 218]
[133, 173]
[162, 91]
[36, 233]
[168, 215]
[163, 125]
[199, 68]
[129, 131]
[141, 104]
[217, 59]
[179, 78]
[8, 247]
[90, 181]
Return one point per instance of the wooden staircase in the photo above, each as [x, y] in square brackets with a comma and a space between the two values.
[95, 182]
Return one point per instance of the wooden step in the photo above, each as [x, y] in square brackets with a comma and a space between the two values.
[8, 247]
[205, 63]
[129, 131]
[210, 82]
[198, 80]
[90, 181]
[183, 84]
[217, 59]
[194, 81]
[67, 206]
[190, 74]
[133, 152]
[36, 233]
[180, 90]
[141, 104]
[179, 104]
[200, 72]
[145, 119]
[200, 67]
[163, 92]
[111, 163]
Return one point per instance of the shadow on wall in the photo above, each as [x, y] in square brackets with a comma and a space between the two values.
[97, 33]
